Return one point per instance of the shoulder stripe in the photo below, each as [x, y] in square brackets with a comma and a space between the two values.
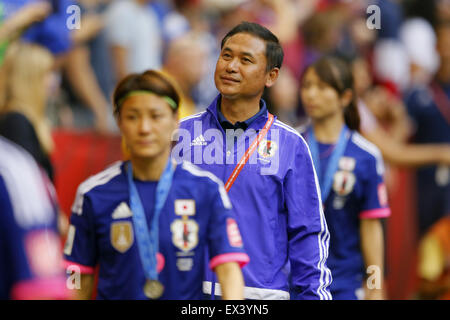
[370, 148]
[323, 239]
[286, 127]
[323, 243]
[28, 189]
[197, 115]
[196, 171]
[92, 182]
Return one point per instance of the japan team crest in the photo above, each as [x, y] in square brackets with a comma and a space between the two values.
[344, 182]
[267, 148]
[184, 233]
[122, 236]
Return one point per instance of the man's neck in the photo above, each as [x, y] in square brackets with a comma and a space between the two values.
[146, 169]
[327, 130]
[239, 110]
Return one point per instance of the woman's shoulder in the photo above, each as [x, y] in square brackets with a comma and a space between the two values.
[97, 184]
[365, 152]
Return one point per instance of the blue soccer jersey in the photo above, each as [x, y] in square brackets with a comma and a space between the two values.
[30, 251]
[197, 219]
[358, 192]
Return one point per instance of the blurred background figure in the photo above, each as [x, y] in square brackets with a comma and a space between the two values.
[21, 18]
[134, 37]
[283, 98]
[42, 22]
[88, 79]
[23, 109]
[184, 63]
[433, 265]
[429, 107]
[30, 250]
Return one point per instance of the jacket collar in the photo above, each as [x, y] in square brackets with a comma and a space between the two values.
[260, 117]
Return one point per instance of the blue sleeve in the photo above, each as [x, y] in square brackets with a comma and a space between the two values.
[225, 242]
[375, 199]
[30, 252]
[12, 246]
[307, 229]
[80, 248]
[53, 32]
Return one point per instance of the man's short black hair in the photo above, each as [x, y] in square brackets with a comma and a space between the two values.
[274, 51]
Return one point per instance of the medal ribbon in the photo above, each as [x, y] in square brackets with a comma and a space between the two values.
[326, 181]
[237, 170]
[148, 238]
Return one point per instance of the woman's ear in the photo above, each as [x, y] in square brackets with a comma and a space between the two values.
[346, 98]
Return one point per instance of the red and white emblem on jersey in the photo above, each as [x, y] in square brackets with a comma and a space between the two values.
[44, 252]
[234, 236]
[267, 148]
[185, 207]
[382, 194]
[344, 182]
[184, 234]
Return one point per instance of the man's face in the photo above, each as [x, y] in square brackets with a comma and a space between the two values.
[241, 67]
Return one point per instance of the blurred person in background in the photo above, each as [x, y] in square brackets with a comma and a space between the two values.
[30, 251]
[185, 64]
[322, 34]
[88, 80]
[384, 122]
[390, 60]
[51, 32]
[429, 107]
[442, 10]
[16, 22]
[283, 98]
[434, 261]
[23, 117]
[134, 37]
[350, 172]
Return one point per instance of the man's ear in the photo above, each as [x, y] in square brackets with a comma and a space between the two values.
[272, 77]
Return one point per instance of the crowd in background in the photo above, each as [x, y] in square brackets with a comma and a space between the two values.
[53, 76]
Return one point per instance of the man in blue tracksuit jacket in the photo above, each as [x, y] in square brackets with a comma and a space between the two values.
[267, 170]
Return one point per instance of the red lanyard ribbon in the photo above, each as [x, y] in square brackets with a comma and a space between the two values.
[237, 170]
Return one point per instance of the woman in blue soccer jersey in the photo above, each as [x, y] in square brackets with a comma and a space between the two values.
[147, 222]
[350, 173]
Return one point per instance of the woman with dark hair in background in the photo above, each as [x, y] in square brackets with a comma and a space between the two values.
[350, 172]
